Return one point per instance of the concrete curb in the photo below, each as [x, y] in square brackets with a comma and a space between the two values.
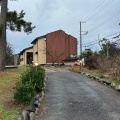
[31, 112]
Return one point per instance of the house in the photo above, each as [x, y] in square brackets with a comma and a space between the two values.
[26, 56]
[50, 48]
[39, 49]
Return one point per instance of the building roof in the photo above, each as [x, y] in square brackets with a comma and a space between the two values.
[55, 31]
[36, 39]
[70, 59]
[73, 36]
[25, 50]
[63, 31]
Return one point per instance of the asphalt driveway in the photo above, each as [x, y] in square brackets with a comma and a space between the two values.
[72, 96]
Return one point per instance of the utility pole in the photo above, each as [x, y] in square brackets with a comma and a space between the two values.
[85, 32]
[80, 40]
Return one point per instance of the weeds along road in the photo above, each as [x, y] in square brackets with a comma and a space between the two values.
[72, 96]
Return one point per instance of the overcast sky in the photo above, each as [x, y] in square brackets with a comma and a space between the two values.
[102, 19]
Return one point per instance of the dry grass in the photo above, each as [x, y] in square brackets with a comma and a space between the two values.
[9, 109]
[101, 74]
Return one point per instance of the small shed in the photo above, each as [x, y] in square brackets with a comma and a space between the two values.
[70, 60]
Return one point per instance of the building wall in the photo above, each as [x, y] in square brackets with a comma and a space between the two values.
[72, 45]
[23, 56]
[22, 59]
[35, 50]
[60, 44]
[39, 53]
[42, 51]
[16, 59]
[55, 46]
[69, 63]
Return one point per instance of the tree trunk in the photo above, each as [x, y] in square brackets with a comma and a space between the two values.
[3, 34]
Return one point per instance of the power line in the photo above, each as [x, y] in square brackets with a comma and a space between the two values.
[108, 20]
[103, 37]
[99, 9]
[77, 26]
[94, 11]
[100, 40]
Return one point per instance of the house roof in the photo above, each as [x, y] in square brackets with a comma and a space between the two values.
[55, 31]
[73, 36]
[70, 59]
[43, 36]
[25, 50]
[35, 40]
[63, 31]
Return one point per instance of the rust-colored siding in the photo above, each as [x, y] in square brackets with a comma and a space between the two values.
[72, 45]
[60, 44]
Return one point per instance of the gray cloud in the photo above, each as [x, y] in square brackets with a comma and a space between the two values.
[51, 15]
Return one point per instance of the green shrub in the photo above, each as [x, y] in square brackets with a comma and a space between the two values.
[75, 70]
[24, 92]
[102, 76]
[31, 81]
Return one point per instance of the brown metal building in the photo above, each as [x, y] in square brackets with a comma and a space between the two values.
[60, 46]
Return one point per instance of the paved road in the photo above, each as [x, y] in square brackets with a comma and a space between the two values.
[72, 96]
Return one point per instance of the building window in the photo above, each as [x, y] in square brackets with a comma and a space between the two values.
[21, 59]
[36, 52]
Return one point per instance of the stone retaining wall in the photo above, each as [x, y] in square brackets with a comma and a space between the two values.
[30, 112]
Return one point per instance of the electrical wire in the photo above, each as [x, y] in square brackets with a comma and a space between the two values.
[106, 21]
[102, 6]
[108, 37]
[101, 40]
[99, 9]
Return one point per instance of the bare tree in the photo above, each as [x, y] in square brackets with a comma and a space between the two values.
[9, 54]
[54, 54]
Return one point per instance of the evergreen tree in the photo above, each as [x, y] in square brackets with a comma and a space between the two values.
[13, 21]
